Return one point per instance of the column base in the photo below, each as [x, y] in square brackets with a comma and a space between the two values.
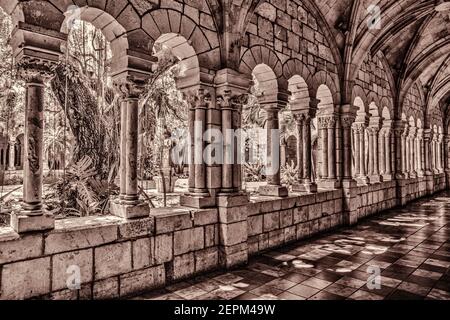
[364, 181]
[273, 191]
[351, 204]
[412, 175]
[375, 179]
[308, 187]
[328, 184]
[22, 223]
[130, 210]
[227, 200]
[197, 201]
[387, 177]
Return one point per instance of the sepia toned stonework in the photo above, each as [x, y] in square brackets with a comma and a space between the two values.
[378, 96]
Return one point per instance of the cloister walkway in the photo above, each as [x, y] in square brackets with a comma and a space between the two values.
[410, 246]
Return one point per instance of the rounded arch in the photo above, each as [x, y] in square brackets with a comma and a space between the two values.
[331, 82]
[258, 55]
[294, 68]
[386, 114]
[113, 31]
[188, 59]
[300, 93]
[325, 97]
[267, 83]
[360, 95]
[373, 99]
[205, 41]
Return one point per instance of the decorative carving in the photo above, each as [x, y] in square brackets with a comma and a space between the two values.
[229, 101]
[199, 99]
[347, 121]
[327, 122]
[34, 70]
[359, 127]
[128, 89]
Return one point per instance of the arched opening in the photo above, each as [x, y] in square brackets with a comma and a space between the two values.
[164, 165]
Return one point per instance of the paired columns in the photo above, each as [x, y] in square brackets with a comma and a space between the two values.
[304, 156]
[273, 165]
[327, 150]
[359, 133]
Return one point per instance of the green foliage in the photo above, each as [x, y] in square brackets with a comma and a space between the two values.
[289, 174]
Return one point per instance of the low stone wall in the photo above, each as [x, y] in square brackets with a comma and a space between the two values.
[118, 258]
[375, 198]
[274, 223]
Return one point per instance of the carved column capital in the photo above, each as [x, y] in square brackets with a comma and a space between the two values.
[128, 89]
[231, 101]
[198, 99]
[359, 127]
[327, 122]
[347, 120]
[34, 70]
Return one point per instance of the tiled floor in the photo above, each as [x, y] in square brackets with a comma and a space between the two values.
[410, 246]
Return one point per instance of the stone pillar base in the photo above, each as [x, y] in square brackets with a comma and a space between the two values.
[402, 191]
[226, 200]
[22, 223]
[328, 184]
[273, 191]
[430, 183]
[129, 210]
[375, 179]
[308, 187]
[197, 201]
[233, 256]
[351, 203]
[364, 181]
[387, 177]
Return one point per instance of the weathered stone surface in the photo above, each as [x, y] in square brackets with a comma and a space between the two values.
[188, 240]
[141, 253]
[25, 279]
[172, 220]
[25, 247]
[65, 267]
[142, 280]
[162, 248]
[137, 228]
[234, 233]
[112, 259]
[106, 289]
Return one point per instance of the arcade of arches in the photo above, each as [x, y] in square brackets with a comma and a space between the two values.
[373, 98]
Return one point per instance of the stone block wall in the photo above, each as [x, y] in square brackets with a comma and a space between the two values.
[274, 223]
[116, 258]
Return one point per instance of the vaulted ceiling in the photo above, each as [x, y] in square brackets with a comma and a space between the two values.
[413, 35]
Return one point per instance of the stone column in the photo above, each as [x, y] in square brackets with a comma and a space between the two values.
[419, 154]
[382, 151]
[327, 129]
[128, 205]
[350, 205]
[359, 129]
[303, 120]
[434, 153]
[33, 216]
[399, 144]
[274, 187]
[387, 175]
[12, 144]
[412, 152]
[405, 152]
[428, 156]
[440, 144]
[374, 174]
[199, 196]
[230, 103]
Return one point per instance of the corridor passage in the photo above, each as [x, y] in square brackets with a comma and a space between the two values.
[410, 247]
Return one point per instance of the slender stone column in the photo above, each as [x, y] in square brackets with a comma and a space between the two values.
[360, 130]
[427, 144]
[420, 164]
[347, 121]
[447, 159]
[440, 144]
[327, 128]
[12, 145]
[33, 216]
[123, 145]
[199, 196]
[382, 151]
[357, 152]
[412, 152]
[386, 142]
[303, 120]
[128, 205]
[274, 187]
[230, 99]
[433, 153]
[405, 152]
[399, 143]
[374, 173]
